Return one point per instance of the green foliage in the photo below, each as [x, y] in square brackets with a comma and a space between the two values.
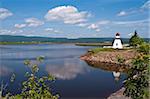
[2, 88]
[135, 40]
[27, 62]
[137, 81]
[120, 59]
[144, 48]
[40, 59]
[35, 87]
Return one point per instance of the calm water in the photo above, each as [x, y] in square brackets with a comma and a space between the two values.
[75, 79]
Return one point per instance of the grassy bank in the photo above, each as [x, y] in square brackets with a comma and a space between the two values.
[97, 50]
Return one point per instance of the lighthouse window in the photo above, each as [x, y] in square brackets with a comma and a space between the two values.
[116, 44]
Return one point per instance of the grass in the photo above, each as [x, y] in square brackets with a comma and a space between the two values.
[96, 50]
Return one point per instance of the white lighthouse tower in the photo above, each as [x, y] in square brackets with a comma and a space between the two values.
[117, 44]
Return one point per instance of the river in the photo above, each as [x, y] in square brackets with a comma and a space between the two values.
[75, 78]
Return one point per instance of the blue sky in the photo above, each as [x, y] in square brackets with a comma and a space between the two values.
[74, 18]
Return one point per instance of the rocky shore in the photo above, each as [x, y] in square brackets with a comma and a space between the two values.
[107, 60]
[118, 95]
[110, 56]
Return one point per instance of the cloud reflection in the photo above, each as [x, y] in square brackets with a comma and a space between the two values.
[4, 71]
[70, 69]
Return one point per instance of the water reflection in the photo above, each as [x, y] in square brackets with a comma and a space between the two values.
[116, 75]
[70, 69]
[4, 71]
[108, 66]
[116, 69]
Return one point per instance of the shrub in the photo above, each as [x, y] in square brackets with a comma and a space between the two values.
[137, 81]
[144, 48]
[34, 87]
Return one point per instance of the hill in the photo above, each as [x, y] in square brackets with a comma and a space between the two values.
[10, 38]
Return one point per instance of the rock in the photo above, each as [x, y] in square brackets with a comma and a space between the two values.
[110, 57]
[118, 95]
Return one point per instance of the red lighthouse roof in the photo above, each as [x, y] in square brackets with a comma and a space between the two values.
[117, 34]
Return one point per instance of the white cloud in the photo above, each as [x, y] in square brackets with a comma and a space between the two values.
[33, 22]
[56, 31]
[68, 70]
[141, 9]
[5, 31]
[16, 31]
[146, 5]
[108, 23]
[30, 22]
[10, 32]
[130, 34]
[82, 24]
[94, 27]
[122, 13]
[52, 30]
[131, 22]
[20, 25]
[103, 22]
[4, 71]
[4, 13]
[49, 29]
[127, 25]
[98, 30]
[67, 14]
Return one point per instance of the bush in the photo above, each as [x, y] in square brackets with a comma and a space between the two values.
[34, 87]
[144, 48]
[137, 81]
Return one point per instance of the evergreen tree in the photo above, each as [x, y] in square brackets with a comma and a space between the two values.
[135, 40]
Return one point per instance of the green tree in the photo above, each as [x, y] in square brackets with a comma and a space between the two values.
[135, 40]
[137, 81]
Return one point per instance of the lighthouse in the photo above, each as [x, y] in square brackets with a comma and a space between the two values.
[117, 44]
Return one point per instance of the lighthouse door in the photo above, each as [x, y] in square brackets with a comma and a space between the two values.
[116, 44]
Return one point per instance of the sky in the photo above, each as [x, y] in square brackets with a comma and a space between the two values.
[75, 18]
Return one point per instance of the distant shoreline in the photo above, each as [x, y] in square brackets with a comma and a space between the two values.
[77, 44]
[30, 43]
[24, 40]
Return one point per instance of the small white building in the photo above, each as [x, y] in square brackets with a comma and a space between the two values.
[117, 44]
